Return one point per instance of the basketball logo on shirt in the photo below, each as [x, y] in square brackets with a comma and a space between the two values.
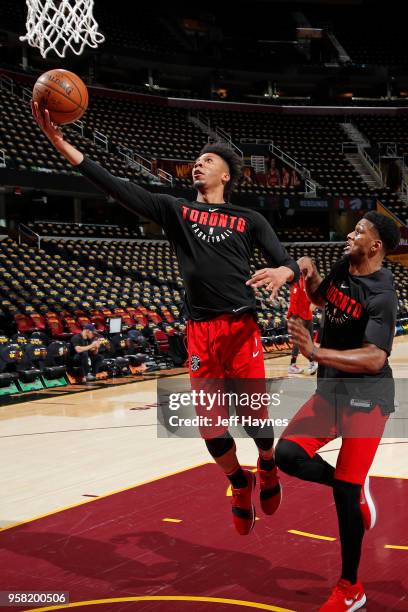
[195, 363]
[340, 306]
[213, 226]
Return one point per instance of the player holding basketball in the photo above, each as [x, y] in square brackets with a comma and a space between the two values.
[355, 390]
[214, 241]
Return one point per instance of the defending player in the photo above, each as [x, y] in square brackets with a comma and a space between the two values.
[214, 241]
[355, 389]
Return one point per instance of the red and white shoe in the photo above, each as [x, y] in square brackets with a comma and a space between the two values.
[345, 597]
[243, 509]
[367, 506]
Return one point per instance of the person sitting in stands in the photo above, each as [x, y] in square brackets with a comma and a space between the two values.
[247, 178]
[294, 178]
[285, 178]
[273, 176]
[86, 346]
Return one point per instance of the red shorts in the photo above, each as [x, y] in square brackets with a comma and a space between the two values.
[227, 347]
[318, 422]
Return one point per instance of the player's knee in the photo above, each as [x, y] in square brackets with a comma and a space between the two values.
[266, 443]
[289, 456]
[217, 447]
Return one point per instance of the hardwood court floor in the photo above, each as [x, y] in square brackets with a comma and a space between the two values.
[152, 548]
[60, 451]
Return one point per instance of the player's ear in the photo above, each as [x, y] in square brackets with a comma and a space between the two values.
[226, 177]
[376, 246]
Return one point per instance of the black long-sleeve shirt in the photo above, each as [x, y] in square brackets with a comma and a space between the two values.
[213, 243]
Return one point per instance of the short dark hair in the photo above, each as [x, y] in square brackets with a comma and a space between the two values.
[387, 229]
[233, 161]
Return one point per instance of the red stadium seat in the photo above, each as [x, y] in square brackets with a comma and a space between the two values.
[38, 320]
[140, 319]
[168, 316]
[56, 328]
[71, 325]
[83, 320]
[52, 315]
[127, 320]
[24, 323]
[143, 310]
[106, 312]
[137, 315]
[154, 317]
[162, 340]
[98, 320]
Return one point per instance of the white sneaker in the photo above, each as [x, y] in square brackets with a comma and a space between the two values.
[294, 369]
[367, 506]
[313, 365]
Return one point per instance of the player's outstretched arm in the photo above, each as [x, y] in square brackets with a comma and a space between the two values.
[55, 135]
[271, 278]
[131, 196]
[285, 268]
[369, 359]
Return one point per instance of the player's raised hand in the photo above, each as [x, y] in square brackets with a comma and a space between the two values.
[301, 336]
[307, 267]
[271, 278]
[42, 117]
[55, 135]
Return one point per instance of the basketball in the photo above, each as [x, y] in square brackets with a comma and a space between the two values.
[63, 94]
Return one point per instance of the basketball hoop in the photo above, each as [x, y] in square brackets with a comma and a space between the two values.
[58, 25]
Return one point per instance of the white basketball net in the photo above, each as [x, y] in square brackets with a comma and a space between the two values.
[58, 25]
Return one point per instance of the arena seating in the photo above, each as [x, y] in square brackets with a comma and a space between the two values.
[45, 295]
[78, 277]
[313, 141]
[152, 130]
[48, 282]
[149, 259]
[71, 282]
[27, 148]
[36, 360]
[379, 128]
[48, 295]
[301, 234]
[86, 230]
[155, 131]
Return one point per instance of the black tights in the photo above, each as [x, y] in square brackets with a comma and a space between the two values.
[221, 445]
[293, 459]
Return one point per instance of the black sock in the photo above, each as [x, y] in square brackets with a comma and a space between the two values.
[238, 479]
[266, 464]
[351, 527]
[293, 361]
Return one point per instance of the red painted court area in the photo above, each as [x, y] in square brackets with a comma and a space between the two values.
[120, 546]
